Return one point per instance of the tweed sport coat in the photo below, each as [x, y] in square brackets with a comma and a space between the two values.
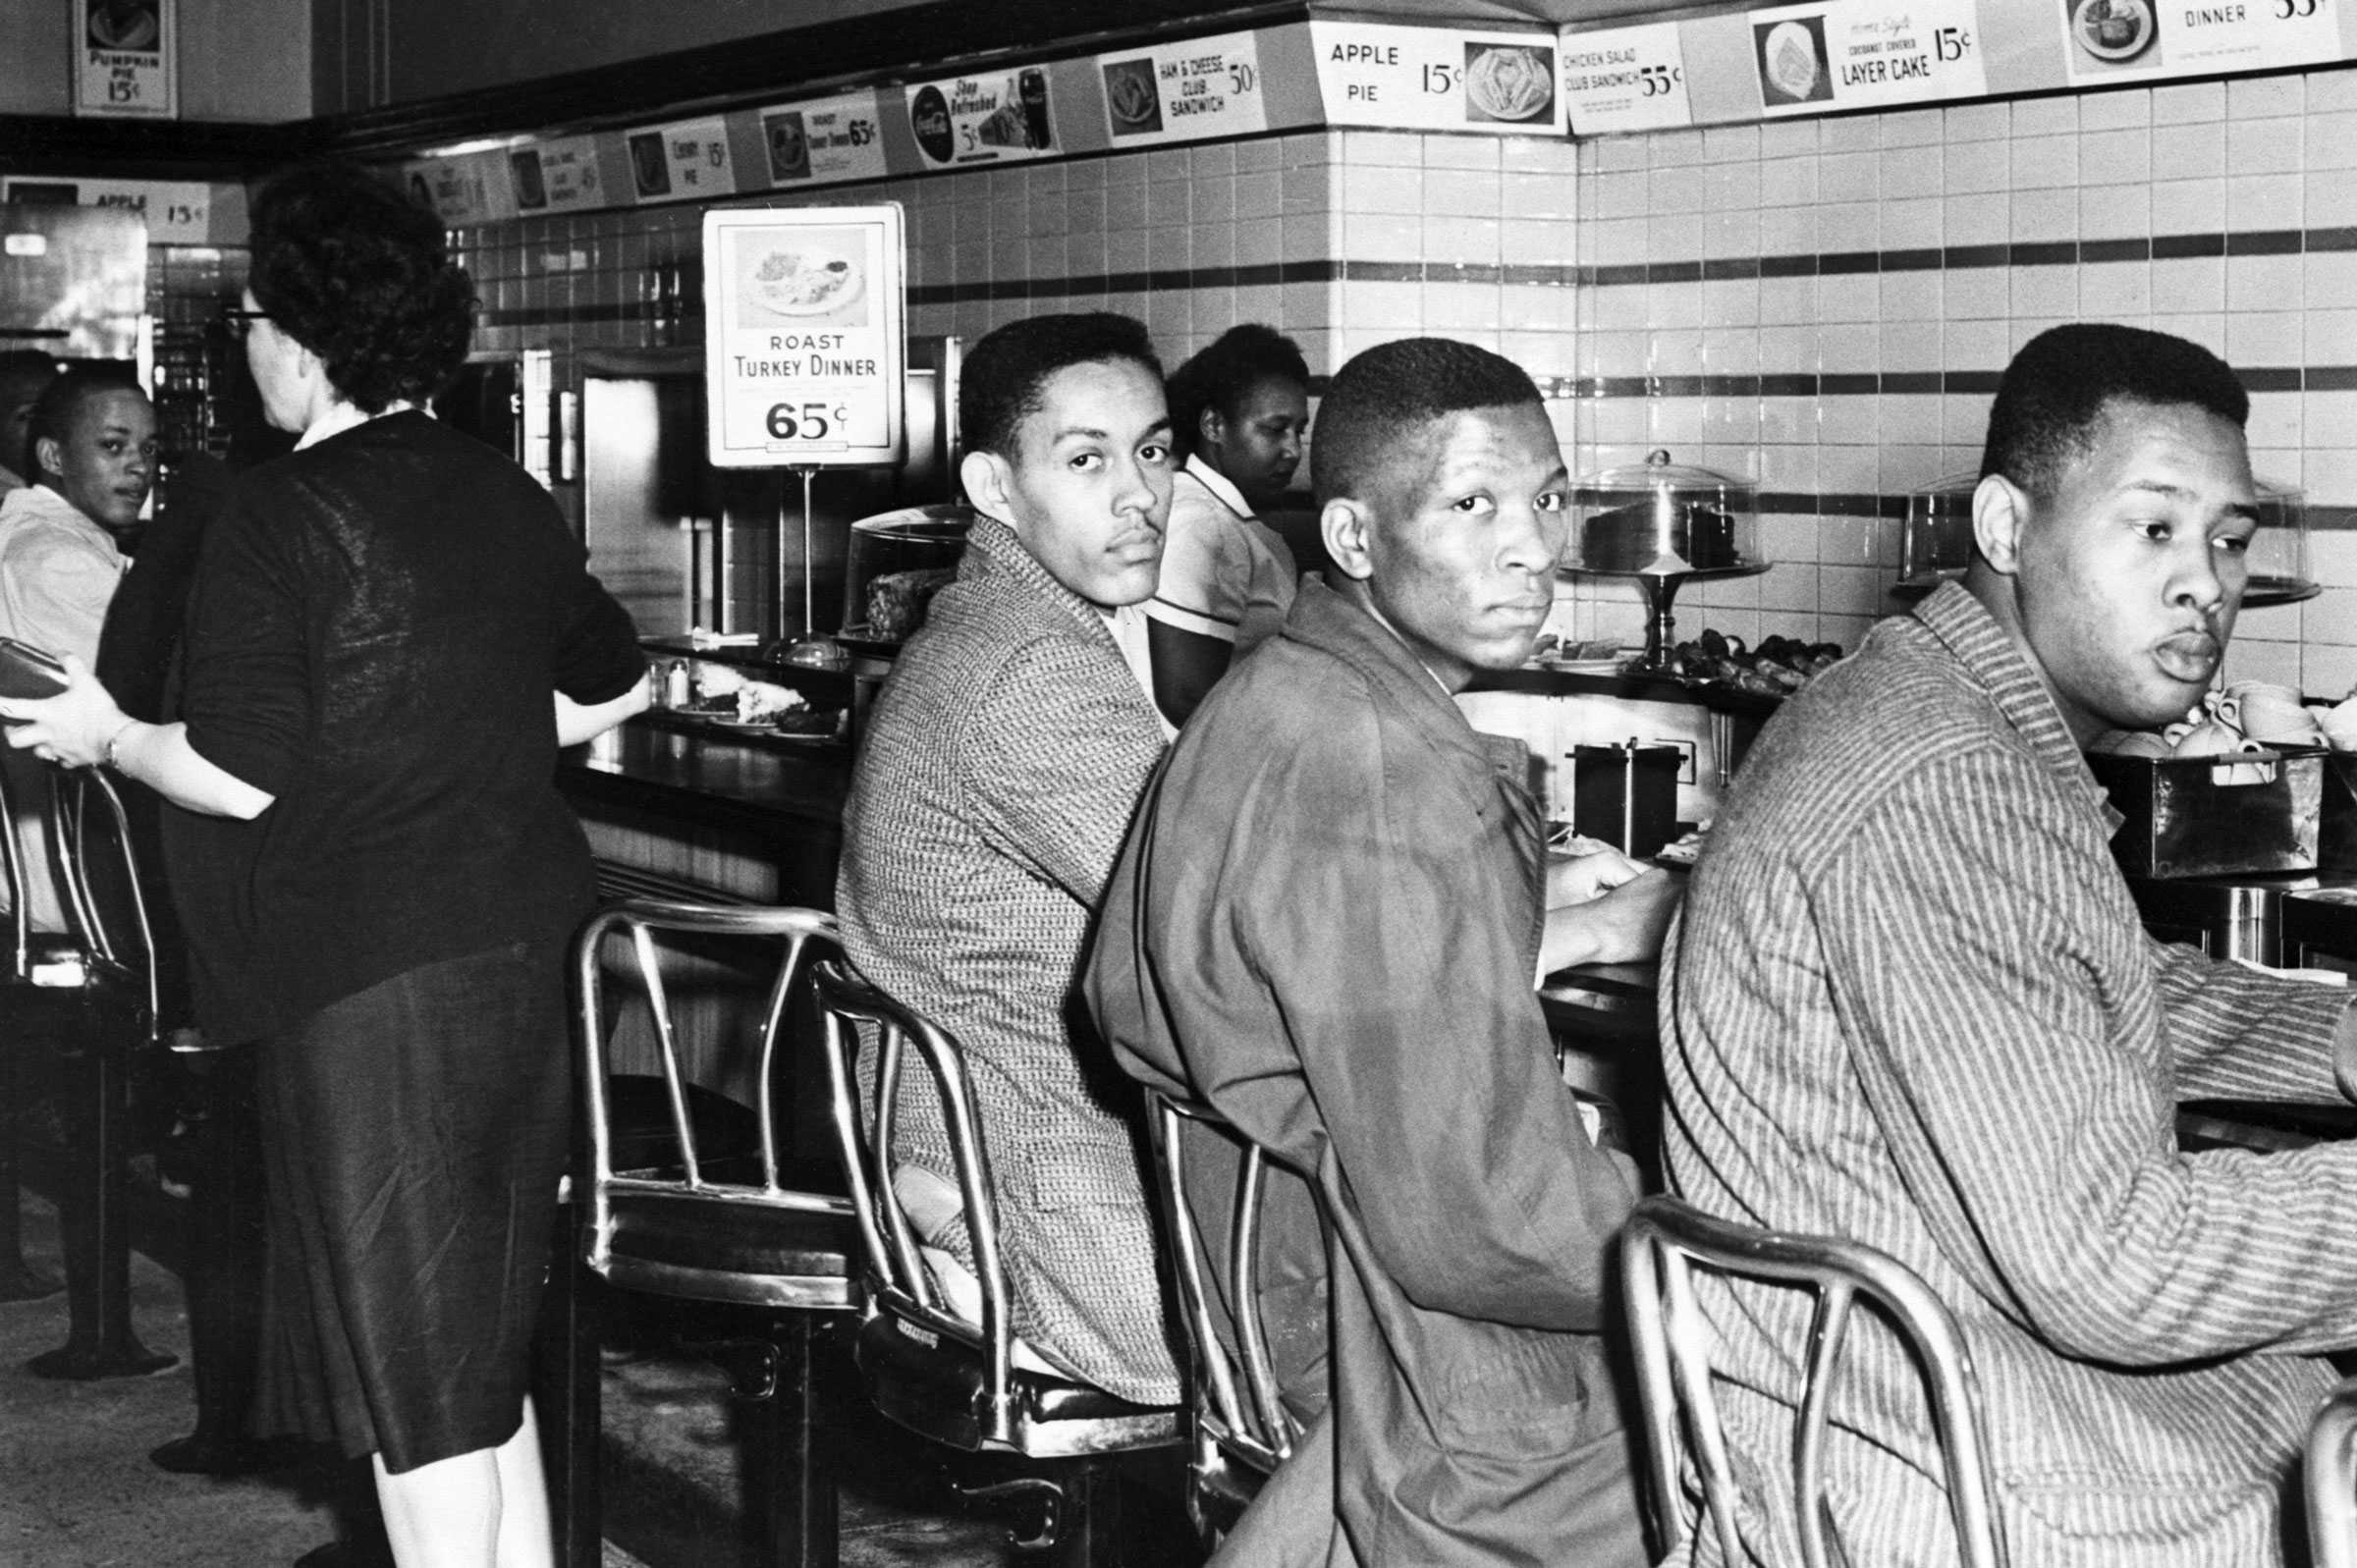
[1002, 766]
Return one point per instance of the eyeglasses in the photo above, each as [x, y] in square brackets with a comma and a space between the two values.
[237, 323]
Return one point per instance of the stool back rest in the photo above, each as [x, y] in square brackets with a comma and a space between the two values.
[18, 876]
[802, 935]
[1664, 1241]
[1256, 1423]
[2331, 1479]
[86, 827]
[855, 1010]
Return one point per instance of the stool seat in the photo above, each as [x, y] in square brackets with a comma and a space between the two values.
[770, 1257]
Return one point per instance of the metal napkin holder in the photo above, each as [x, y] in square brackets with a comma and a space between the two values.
[2218, 815]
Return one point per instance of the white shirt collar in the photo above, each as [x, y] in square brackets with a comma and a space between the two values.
[342, 418]
[1219, 484]
[1129, 627]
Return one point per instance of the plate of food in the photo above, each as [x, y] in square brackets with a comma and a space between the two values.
[1791, 58]
[795, 282]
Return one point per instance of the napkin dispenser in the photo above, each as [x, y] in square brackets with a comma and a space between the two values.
[2215, 816]
[1626, 795]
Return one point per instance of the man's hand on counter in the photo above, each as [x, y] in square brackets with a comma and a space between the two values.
[1623, 923]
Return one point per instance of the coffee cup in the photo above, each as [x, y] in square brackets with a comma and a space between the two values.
[2274, 713]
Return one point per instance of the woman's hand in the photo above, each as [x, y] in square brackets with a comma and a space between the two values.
[72, 727]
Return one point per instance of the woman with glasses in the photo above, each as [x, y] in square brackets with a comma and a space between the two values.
[392, 631]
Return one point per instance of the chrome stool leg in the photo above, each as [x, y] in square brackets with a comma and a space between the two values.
[94, 1218]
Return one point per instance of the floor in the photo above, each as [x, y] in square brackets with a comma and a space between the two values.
[77, 1489]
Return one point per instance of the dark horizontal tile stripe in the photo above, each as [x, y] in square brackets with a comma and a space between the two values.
[1630, 271]
[2045, 254]
[2266, 378]
[2116, 250]
[1788, 386]
[1673, 272]
[1911, 260]
[1976, 256]
[2333, 238]
[1849, 385]
[1787, 266]
[1680, 386]
[1846, 261]
[2177, 246]
[1383, 271]
[1259, 275]
[1968, 380]
[2331, 378]
[1720, 269]
[2339, 519]
[2265, 243]
[1833, 504]
[1911, 382]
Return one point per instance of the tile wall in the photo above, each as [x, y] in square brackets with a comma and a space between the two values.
[1820, 304]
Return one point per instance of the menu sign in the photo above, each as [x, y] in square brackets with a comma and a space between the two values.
[804, 357]
[1626, 78]
[123, 57]
[1437, 79]
[996, 117]
[675, 162]
[2114, 41]
[825, 141]
[176, 211]
[456, 190]
[556, 176]
[1185, 91]
[1855, 54]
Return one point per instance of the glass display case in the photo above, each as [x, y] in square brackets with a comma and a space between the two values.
[898, 559]
[1664, 523]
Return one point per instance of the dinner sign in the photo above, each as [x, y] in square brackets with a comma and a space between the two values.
[806, 352]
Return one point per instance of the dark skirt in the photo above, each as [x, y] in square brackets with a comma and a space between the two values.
[413, 1135]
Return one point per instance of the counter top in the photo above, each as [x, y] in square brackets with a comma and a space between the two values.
[720, 780]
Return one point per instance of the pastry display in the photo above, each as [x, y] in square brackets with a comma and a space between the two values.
[1658, 536]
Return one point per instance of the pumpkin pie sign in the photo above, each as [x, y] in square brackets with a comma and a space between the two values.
[806, 352]
[125, 58]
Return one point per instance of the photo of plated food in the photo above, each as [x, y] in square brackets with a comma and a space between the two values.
[803, 276]
[1792, 63]
[1508, 81]
[2112, 31]
[1133, 99]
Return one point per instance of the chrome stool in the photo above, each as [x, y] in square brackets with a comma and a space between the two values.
[93, 987]
[677, 1193]
[1242, 1430]
[928, 1367]
[1664, 1240]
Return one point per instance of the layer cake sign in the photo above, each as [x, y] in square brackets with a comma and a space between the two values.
[1860, 54]
[805, 353]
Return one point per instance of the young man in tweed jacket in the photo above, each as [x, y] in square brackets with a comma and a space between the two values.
[1003, 763]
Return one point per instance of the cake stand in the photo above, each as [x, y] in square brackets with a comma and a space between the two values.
[1661, 590]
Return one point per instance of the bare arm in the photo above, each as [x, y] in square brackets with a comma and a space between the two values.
[1621, 921]
[74, 726]
[577, 722]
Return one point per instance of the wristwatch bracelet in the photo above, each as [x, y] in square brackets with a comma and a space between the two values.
[116, 739]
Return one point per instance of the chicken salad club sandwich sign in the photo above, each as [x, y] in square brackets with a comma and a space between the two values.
[805, 346]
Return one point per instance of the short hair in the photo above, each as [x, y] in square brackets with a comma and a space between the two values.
[25, 369]
[1222, 375]
[1392, 391]
[360, 275]
[1000, 383]
[60, 404]
[2060, 387]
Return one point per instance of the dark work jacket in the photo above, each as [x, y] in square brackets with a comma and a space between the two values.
[1326, 926]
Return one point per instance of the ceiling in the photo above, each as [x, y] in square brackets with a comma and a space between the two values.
[1554, 13]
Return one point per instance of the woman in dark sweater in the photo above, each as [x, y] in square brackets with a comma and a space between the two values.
[391, 635]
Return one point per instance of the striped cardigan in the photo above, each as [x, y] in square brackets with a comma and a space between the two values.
[1911, 1003]
[1002, 766]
